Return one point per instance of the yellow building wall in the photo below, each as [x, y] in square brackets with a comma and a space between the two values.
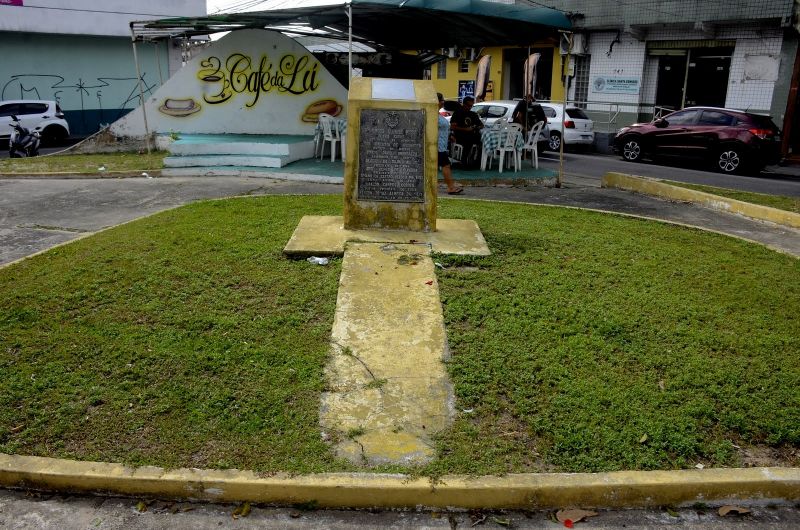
[449, 86]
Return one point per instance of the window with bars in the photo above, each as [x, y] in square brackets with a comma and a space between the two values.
[463, 66]
[581, 79]
[441, 69]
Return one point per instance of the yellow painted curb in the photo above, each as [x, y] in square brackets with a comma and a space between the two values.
[363, 490]
[660, 188]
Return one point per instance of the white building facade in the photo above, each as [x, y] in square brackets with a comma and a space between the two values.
[79, 53]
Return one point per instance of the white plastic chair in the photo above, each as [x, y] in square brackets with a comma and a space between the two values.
[330, 133]
[509, 145]
[456, 151]
[532, 144]
[500, 124]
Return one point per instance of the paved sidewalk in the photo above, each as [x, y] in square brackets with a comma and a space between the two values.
[23, 511]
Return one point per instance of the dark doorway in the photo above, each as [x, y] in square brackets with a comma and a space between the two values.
[702, 71]
[707, 81]
[514, 60]
[671, 74]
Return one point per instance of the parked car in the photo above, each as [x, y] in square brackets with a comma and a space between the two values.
[44, 115]
[578, 128]
[491, 111]
[732, 141]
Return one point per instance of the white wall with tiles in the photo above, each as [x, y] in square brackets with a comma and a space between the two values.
[744, 92]
[625, 59]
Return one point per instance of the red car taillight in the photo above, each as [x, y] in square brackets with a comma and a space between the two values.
[762, 133]
[569, 124]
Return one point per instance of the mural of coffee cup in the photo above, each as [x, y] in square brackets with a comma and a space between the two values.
[179, 107]
[325, 106]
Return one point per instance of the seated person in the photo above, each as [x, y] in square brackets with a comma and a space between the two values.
[466, 126]
[534, 114]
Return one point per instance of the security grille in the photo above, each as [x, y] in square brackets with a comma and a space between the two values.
[441, 69]
[581, 79]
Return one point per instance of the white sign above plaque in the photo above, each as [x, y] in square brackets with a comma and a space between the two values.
[402, 89]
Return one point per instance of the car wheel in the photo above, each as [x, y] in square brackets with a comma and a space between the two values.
[730, 160]
[555, 141]
[632, 150]
[53, 135]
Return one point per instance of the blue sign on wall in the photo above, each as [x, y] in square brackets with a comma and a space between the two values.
[615, 85]
[466, 88]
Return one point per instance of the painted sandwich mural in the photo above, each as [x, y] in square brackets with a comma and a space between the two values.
[249, 82]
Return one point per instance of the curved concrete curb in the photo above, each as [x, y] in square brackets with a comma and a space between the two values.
[153, 173]
[659, 188]
[363, 490]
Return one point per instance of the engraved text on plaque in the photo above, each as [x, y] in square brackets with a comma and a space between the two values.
[391, 161]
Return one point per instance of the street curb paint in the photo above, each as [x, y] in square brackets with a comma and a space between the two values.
[660, 188]
[364, 490]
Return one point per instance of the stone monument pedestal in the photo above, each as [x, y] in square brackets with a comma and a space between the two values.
[389, 391]
[391, 165]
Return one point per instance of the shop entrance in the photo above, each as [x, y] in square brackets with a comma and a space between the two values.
[693, 76]
[513, 66]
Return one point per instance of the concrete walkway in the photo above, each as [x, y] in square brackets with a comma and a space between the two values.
[389, 390]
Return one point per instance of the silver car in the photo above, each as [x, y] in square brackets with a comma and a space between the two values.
[44, 115]
[579, 129]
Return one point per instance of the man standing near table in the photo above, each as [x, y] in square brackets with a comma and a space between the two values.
[466, 126]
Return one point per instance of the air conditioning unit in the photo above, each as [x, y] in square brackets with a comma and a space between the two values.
[471, 54]
[580, 44]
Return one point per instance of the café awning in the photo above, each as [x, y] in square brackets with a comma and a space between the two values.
[399, 24]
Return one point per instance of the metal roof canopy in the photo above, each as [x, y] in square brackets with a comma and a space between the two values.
[409, 24]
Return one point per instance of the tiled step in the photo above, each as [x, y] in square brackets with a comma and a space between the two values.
[295, 147]
[226, 160]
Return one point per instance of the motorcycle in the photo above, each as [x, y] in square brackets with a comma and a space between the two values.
[23, 142]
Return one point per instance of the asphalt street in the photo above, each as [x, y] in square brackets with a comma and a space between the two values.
[775, 180]
[35, 511]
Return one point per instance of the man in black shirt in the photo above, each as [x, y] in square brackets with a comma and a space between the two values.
[534, 114]
[466, 126]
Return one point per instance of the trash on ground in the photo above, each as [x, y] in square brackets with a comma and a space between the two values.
[735, 510]
[573, 516]
[317, 260]
[243, 510]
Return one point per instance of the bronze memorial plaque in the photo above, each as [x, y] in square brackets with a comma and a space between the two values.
[391, 159]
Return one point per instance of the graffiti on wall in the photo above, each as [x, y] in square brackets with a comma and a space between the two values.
[239, 74]
[80, 95]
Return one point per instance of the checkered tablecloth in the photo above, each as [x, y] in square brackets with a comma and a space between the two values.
[494, 138]
[341, 124]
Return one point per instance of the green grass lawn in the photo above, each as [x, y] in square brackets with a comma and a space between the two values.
[69, 163]
[791, 204]
[586, 342]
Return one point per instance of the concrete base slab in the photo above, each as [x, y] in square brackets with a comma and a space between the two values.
[389, 391]
[325, 236]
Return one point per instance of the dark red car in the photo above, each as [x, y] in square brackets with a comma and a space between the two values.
[731, 140]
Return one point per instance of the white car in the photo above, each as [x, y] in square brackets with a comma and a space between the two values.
[491, 111]
[44, 115]
[580, 129]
